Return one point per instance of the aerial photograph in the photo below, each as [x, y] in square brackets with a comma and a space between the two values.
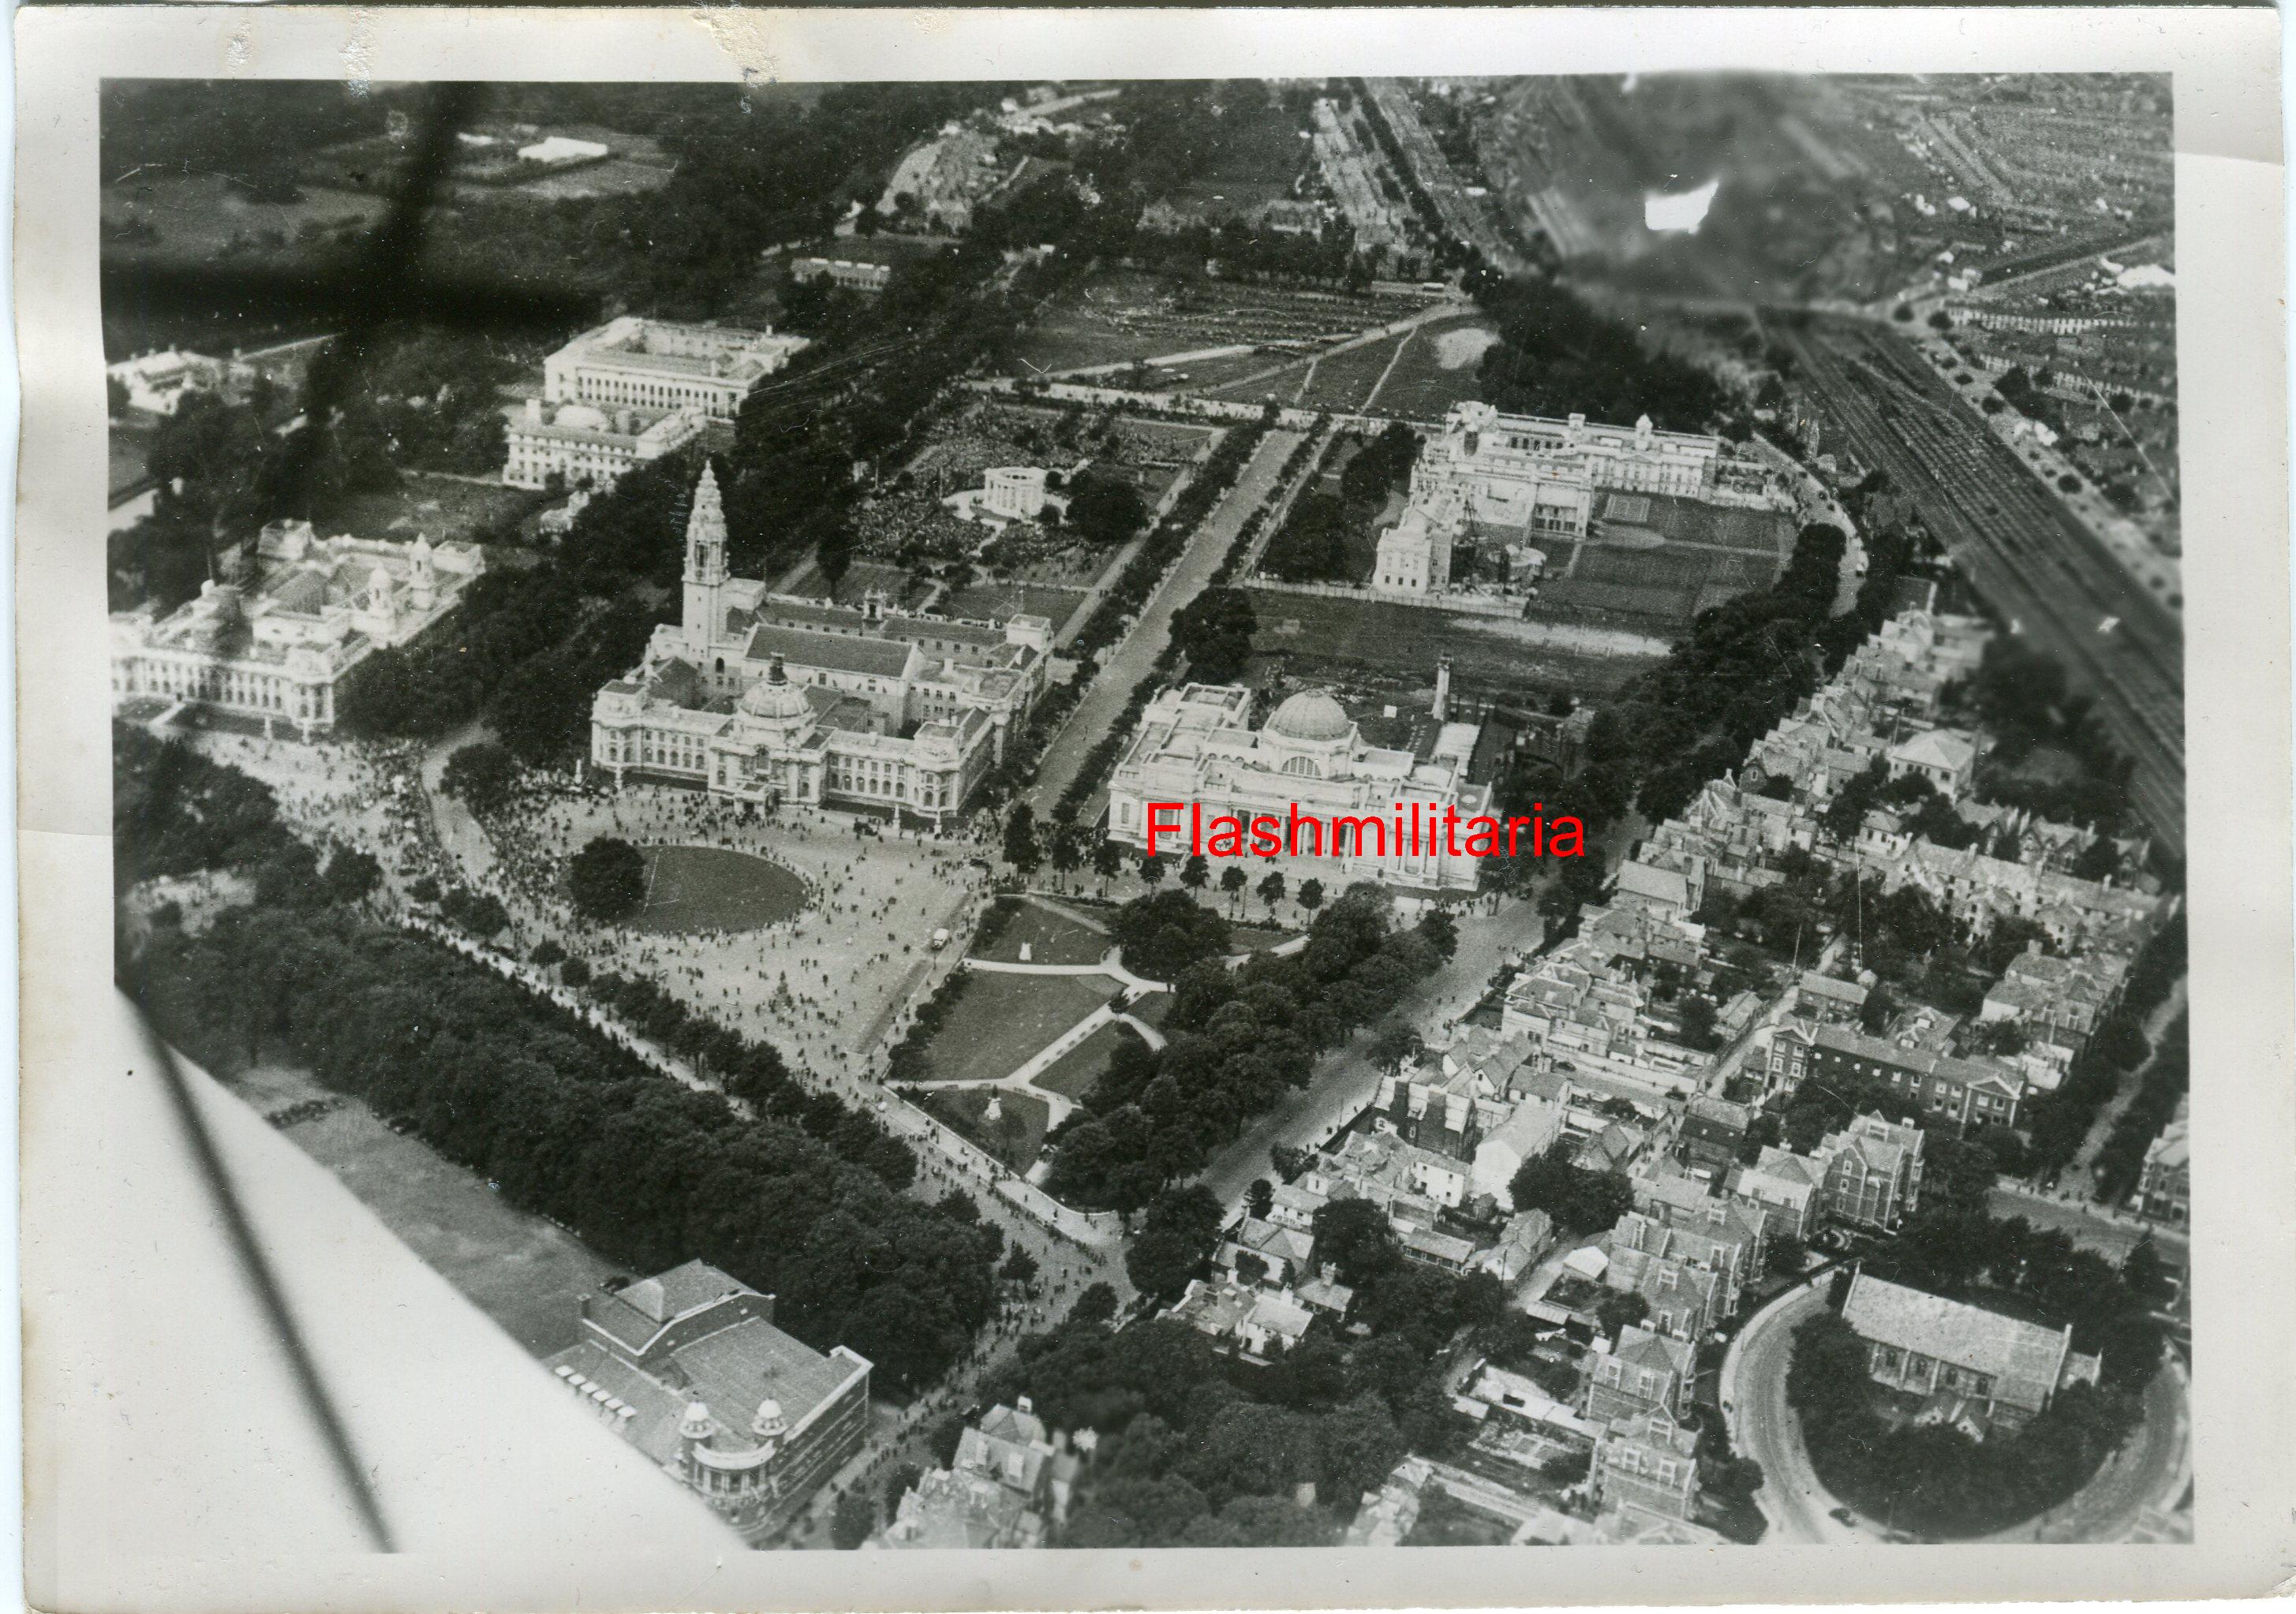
[1126, 814]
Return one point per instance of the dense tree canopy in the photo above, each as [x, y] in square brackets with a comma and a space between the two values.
[607, 879]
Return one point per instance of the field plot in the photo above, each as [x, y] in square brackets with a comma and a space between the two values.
[691, 889]
[522, 1271]
[1665, 558]
[442, 509]
[861, 576]
[1317, 637]
[999, 1019]
[1120, 317]
[1344, 380]
[1016, 1134]
[1441, 367]
[996, 602]
[177, 216]
[1072, 1075]
[1052, 936]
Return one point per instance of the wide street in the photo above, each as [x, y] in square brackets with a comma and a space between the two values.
[1103, 703]
[1349, 1079]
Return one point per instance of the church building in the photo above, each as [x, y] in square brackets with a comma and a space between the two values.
[769, 698]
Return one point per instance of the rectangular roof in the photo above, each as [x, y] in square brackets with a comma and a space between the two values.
[838, 652]
[2024, 1359]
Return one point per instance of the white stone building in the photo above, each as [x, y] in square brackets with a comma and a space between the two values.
[653, 364]
[586, 446]
[765, 697]
[1194, 747]
[275, 651]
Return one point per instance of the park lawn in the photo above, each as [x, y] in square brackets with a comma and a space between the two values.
[999, 1021]
[1344, 380]
[1441, 367]
[1017, 1135]
[691, 889]
[523, 1272]
[1256, 939]
[1073, 1074]
[440, 508]
[1053, 939]
[996, 602]
[1335, 639]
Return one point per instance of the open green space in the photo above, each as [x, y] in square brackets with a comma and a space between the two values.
[1017, 1133]
[1072, 1075]
[999, 1021]
[1052, 938]
[996, 601]
[521, 1270]
[1320, 638]
[442, 509]
[691, 889]
[1441, 367]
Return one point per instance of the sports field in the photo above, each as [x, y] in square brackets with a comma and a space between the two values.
[691, 889]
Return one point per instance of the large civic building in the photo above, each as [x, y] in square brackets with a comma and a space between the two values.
[688, 1367]
[768, 698]
[274, 649]
[586, 445]
[1522, 477]
[1196, 746]
[653, 364]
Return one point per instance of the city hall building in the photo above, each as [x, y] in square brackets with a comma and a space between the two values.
[1196, 746]
[766, 698]
[654, 364]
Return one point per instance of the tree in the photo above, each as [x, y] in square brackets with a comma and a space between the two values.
[607, 879]
[1393, 1043]
[1177, 1234]
[851, 1521]
[1196, 872]
[1232, 880]
[351, 875]
[1067, 852]
[1614, 1313]
[1151, 868]
[1106, 511]
[1097, 1304]
[1788, 1255]
[482, 774]
[1578, 1199]
[1271, 889]
[1259, 1198]
[1214, 631]
[1107, 857]
[1020, 1267]
[1441, 931]
[1311, 894]
[1162, 934]
[1021, 848]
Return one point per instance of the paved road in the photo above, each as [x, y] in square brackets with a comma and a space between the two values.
[1103, 702]
[1348, 1080]
[2150, 1471]
[2111, 1234]
[1762, 1427]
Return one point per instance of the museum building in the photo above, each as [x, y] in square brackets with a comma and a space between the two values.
[1196, 746]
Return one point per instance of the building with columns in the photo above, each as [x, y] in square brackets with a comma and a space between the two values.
[770, 698]
[654, 364]
[274, 649]
[1196, 746]
[688, 1367]
[586, 445]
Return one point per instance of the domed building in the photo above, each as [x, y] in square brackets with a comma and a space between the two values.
[768, 698]
[1309, 759]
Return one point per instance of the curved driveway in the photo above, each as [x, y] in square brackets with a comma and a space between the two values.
[2151, 1470]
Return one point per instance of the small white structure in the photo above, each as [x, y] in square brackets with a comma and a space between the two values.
[585, 444]
[159, 382]
[562, 148]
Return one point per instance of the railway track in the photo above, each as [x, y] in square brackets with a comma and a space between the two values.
[2022, 550]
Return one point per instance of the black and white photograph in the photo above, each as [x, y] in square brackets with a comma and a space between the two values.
[1034, 814]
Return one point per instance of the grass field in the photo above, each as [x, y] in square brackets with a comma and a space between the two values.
[522, 1271]
[1439, 369]
[1001, 1020]
[1344, 380]
[200, 218]
[1016, 1136]
[994, 602]
[691, 889]
[1072, 1074]
[442, 509]
[859, 578]
[1053, 938]
[1331, 638]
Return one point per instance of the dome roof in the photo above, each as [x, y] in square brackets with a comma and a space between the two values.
[775, 697]
[1309, 715]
